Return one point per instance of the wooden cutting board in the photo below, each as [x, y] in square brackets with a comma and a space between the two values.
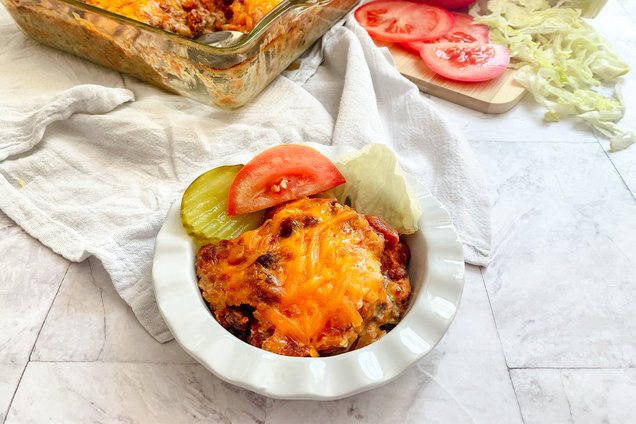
[495, 96]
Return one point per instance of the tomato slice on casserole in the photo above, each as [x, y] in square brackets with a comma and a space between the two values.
[280, 174]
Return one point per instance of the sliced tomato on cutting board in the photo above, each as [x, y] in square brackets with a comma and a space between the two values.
[280, 174]
[471, 62]
[466, 30]
[401, 21]
[449, 4]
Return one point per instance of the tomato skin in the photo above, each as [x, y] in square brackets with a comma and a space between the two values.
[466, 30]
[470, 62]
[400, 21]
[279, 174]
[449, 4]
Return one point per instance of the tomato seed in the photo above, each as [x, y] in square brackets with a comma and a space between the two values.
[461, 55]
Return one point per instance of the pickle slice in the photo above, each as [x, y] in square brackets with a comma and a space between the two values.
[204, 208]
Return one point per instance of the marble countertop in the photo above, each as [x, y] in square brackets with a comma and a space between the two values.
[545, 334]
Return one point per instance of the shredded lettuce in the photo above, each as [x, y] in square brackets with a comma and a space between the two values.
[562, 61]
[589, 8]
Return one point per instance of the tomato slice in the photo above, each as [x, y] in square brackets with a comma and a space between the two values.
[466, 30]
[400, 21]
[470, 62]
[280, 174]
[449, 4]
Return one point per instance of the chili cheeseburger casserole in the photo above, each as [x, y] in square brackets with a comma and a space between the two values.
[316, 278]
[191, 18]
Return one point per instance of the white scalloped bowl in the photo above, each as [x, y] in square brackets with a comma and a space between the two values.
[436, 271]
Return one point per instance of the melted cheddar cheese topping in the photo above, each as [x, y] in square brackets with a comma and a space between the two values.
[191, 18]
[309, 281]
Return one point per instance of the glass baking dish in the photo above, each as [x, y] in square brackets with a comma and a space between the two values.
[227, 74]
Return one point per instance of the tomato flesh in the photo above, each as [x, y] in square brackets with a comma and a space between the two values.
[449, 4]
[280, 174]
[471, 62]
[401, 21]
[466, 30]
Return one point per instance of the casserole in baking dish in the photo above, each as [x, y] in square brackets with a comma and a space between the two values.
[226, 74]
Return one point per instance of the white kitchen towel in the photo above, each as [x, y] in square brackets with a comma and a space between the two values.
[91, 160]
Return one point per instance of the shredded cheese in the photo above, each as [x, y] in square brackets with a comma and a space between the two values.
[321, 288]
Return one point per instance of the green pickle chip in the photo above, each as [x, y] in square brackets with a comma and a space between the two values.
[204, 208]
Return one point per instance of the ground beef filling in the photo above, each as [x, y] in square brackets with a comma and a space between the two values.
[316, 279]
[191, 18]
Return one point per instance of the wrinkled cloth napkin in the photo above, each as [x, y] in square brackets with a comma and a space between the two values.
[91, 160]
